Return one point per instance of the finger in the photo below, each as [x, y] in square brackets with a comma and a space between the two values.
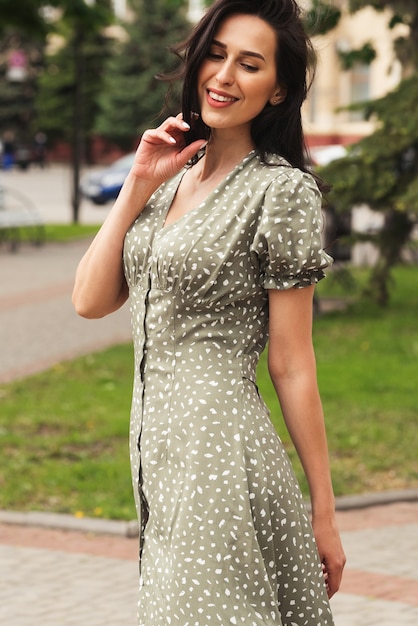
[333, 582]
[171, 126]
[159, 136]
[175, 123]
[189, 151]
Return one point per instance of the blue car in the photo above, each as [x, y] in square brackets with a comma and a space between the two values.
[104, 185]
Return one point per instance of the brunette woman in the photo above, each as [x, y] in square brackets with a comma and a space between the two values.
[216, 240]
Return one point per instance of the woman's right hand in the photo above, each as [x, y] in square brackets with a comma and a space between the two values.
[100, 285]
[162, 152]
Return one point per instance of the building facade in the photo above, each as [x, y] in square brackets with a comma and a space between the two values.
[334, 88]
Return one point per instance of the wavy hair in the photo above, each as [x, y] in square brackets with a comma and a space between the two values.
[277, 129]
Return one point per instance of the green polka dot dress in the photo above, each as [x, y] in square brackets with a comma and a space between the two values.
[225, 538]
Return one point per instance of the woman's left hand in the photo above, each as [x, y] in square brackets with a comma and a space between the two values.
[330, 551]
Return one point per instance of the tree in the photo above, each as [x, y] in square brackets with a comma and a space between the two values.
[73, 76]
[21, 61]
[132, 98]
[22, 37]
[25, 16]
[382, 169]
[68, 87]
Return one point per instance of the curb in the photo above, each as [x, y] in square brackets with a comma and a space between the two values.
[366, 500]
[56, 521]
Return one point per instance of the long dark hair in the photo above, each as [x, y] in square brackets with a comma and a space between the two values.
[277, 129]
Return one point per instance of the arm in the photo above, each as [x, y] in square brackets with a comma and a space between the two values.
[292, 369]
[100, 287]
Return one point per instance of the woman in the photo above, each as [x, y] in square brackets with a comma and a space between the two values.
[216, 257]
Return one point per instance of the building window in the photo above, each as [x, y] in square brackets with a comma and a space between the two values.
[312, 103]
[360, 88]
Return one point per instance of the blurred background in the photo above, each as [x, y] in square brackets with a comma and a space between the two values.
[78, 86]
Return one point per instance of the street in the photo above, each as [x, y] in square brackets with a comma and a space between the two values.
[38, 324]
[49, 191]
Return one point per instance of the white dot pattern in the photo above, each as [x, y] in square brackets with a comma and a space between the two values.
[225, 538]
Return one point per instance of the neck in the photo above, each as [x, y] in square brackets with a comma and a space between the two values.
[223, 153]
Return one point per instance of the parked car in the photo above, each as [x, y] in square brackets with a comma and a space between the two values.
[323, 155]
[104, 185]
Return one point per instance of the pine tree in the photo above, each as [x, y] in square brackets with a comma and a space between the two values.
[18, 88]
[132, 98]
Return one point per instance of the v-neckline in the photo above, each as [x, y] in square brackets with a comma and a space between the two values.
[215, 190]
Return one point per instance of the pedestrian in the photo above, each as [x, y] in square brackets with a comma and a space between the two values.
[40, 148]
[8, 150]
[215, 239]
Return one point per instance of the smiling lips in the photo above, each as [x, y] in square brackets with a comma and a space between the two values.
[220, 98]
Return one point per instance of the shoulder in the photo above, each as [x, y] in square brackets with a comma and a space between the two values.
[276, 175]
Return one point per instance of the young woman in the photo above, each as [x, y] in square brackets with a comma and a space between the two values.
[215, 237]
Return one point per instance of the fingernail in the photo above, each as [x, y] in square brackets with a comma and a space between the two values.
[172, 140]
[185, 125]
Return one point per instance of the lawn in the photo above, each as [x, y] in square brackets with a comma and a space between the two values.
[64, 433]
[68, 232]
[368, 374]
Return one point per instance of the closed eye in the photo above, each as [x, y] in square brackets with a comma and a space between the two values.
[249, 68]
[215, 56]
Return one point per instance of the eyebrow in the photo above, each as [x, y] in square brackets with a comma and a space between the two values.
[247, 53]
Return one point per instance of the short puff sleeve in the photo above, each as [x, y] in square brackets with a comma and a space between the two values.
[287, 242]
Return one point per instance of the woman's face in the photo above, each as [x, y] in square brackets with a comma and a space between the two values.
[239, 75]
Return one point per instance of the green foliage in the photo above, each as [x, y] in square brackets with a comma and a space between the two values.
[45, 99]
[382, 170]
[24, 16]
[401, 12]
[321, 17]
[74, 68]
[17, 96]
[132, 98]
[364, 55]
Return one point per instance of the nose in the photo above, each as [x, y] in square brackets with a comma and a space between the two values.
[225, 74]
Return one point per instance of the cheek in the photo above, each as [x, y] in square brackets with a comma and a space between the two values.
[261, 95]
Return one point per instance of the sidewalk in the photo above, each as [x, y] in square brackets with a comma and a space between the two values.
[53, 577]
[62, 577]
[38, 324]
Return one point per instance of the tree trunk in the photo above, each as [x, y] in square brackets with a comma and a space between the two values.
[391, 240]
[78, 131]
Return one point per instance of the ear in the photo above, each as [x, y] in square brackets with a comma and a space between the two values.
[278, 97]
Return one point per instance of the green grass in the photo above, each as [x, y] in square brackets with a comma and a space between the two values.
[64, 433]
[64, 438]
[69, 232]
[49, 233]
[367, 372]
